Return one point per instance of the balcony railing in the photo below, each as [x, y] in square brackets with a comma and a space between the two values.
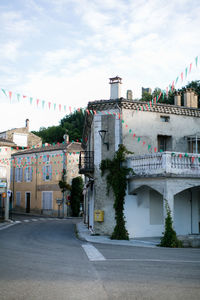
[86, 162]
[180, 164]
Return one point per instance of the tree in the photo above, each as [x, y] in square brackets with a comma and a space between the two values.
[117, 180]
[73, 123]
[169, 238]
[76, 195]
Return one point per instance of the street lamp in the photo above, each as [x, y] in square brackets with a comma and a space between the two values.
[102, 134]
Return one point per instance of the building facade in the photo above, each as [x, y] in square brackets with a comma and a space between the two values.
[165, 140]
[36, 174]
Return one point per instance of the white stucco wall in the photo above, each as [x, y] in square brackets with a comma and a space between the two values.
[148, 126]
[137, 212]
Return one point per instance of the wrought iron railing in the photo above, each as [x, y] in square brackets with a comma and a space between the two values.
[86, 162]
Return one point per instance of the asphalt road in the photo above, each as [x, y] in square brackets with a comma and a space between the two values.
[43, 259]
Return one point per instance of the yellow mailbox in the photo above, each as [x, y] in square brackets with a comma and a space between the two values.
[99, 215]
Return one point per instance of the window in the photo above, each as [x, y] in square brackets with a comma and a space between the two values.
[47, 173]
[164, 118]
[47, 200]
[18, 198]
[28, 174]
[18, 174]
[46, 159]
[164, 143]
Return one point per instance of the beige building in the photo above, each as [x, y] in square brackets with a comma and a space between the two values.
[165, 140]
[36, 174]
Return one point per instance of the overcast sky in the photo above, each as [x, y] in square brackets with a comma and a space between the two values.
[64, 51]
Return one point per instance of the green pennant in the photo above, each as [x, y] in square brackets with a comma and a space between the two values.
[186, 70]
[31, 100]
[176, 80]
[4, 92]
[18, 97]
[138, 139]
[130, 130]
[196, 61]
[149, 146]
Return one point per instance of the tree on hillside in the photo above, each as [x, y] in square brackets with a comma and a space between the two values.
[73, 123]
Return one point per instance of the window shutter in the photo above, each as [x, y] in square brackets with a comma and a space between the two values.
[15, 174]
[21, 174]
[50, 172]
[31, 173]
[11, 174]
[44, 173]
[25, 174]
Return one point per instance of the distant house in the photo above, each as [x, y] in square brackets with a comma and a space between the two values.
[11, 141]
[35, 176]
[6, 149]
[22, 137]
[165, 140]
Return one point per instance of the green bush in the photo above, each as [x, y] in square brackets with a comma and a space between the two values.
[169, 238]
[76, 195]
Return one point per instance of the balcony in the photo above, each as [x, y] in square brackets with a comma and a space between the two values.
[166, 164]
[86, 163]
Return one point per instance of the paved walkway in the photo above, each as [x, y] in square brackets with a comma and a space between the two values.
[86, 235]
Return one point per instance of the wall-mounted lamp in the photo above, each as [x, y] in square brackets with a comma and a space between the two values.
[102, 134]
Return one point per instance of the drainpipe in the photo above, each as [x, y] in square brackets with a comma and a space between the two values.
[191, 209]
[120, 126]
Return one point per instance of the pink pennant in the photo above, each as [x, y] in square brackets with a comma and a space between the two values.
[37, 101]
[190, 68]
[49, 104]
[193, 158]
[10, 95]
[59, 107]
[155, 149]
[70, 109]
[182, 76]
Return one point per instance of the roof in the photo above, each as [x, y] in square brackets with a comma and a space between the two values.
[4, 142]
[71, 147]
[102, 105]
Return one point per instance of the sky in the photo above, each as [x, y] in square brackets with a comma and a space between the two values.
[63, 52]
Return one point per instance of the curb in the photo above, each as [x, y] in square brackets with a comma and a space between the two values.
[4, 226]
[85, 235]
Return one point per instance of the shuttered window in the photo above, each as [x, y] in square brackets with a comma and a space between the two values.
[28, 174]
[47, 200]
[47, 173]
[18, 174]
[18, 198]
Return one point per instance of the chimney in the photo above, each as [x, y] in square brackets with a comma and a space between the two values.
[190, 98]
[27, 124]
[129, 95]
[115, 87]
[193, 100]
[66, 137]
[177, 99]
[146, 90]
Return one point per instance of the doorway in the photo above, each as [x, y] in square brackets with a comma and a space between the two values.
[28, 202]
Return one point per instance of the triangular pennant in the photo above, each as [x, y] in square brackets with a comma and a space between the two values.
[18, 97]
[59, 107]
[37, 101]
[4, 92]
[54, 106]
[182, 76]
[196, 60]
[10, 95]
[31, 100]
[49, 105]
[186, 70]
[43, 102]
[176, 80]
[190, 68]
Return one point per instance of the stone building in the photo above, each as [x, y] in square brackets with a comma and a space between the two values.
[22, 137]
[165, 140]
[35, 176]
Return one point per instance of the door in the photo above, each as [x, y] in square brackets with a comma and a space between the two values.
[28, 202]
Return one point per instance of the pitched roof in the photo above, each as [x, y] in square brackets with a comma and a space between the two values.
[71, 147]
[102, 105]
[4, 142]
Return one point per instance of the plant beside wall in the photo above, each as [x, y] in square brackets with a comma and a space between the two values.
[63, 185]
[169, 238]
[76, 195]
[117, 180]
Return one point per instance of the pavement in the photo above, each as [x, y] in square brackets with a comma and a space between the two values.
[86, 235]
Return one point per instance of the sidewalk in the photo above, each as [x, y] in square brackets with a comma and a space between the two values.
[6, 224]
[85, 234]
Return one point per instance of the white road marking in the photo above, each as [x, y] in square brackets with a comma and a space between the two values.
[154, 260]
[9, 225]
[92, 253]
[42, 219]
[26, 221]
[34, 220]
